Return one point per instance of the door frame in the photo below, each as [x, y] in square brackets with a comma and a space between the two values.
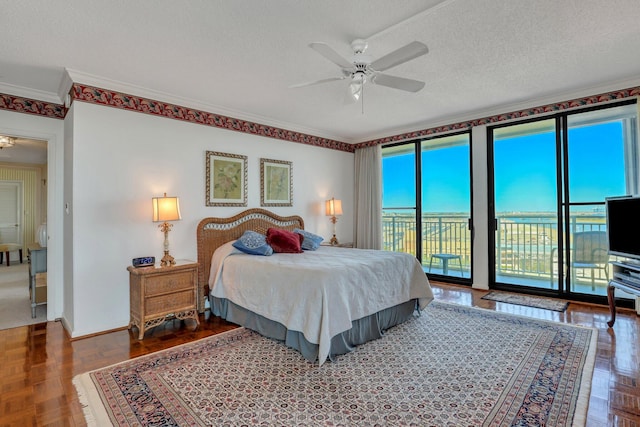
[25, 126]
[493, 221]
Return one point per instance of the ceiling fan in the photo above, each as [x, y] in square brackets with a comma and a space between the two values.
[361, 69]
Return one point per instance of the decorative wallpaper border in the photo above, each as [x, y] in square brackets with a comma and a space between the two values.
[32, 106]
[549, 108]
[115, 99]
[124, 101]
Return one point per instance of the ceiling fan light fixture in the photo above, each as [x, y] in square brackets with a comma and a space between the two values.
[362, 70]
[359, 46]
[355, 90]
[7, 142]
[358, 79]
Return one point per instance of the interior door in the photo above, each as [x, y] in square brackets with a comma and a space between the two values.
[10, 208]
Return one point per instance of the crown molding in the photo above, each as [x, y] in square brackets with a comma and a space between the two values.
[83, 78]
[65, 87]
[28, 93]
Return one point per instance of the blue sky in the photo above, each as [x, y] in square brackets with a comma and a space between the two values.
[445, 181]
[525, 172]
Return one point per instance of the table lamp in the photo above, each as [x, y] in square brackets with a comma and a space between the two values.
[333, 209]
[166, 209]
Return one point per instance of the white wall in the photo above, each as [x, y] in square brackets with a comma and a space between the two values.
[67, 219]
[50, 130]
[480, 207]
[122, 159]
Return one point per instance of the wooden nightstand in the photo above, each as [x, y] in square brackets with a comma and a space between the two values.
[339, 245]
[157, 292]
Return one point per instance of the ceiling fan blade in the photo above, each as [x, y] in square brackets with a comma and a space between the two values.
[330, 79]
[397, 57]
[397, 82]
[333, 56]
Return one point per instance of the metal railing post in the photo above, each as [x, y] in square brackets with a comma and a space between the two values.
[393, 232]
[440, 234]
[499, 248]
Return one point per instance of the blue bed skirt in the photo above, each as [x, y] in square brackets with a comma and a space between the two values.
[362, 330]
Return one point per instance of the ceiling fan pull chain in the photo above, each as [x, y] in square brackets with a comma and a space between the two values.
[362, 96]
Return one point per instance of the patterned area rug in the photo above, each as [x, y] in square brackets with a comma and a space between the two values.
[527, 300]
[452, 365]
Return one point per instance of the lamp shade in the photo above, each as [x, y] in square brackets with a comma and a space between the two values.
[333, 207]
[165, 208]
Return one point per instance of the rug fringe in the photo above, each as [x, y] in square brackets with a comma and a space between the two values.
[582, 403]
[94, 414]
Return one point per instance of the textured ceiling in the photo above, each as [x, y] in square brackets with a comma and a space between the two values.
[239, 58]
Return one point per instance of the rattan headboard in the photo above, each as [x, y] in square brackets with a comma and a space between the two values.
[215, 232]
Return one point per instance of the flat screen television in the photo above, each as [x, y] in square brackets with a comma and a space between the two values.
[623, 226]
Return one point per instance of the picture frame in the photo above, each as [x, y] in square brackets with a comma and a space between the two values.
[226, 179]
[276, 183]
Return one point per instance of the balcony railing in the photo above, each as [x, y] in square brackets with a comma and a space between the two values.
[446, 233]
[525, 244]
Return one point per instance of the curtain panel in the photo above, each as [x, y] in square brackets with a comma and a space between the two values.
[368, 192]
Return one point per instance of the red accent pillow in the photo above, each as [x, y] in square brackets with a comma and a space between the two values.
[284, 241]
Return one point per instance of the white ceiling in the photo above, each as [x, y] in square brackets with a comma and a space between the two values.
[239, 57]
[26, 150]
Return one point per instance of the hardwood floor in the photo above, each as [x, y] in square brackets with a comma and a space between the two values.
[38, 362]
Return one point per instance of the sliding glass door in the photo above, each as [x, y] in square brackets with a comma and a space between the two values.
[427, 203]
[399, 206]
[550, 179]
[525, 161]
[446, 205]
[601, 162]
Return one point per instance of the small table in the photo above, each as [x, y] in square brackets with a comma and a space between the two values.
[6, 248]
[626, 276]
[37, 276]
[445, 262]
[157, 292]
[612, 301]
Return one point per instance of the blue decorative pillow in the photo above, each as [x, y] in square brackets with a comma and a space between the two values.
[253, 243]
[311, 241]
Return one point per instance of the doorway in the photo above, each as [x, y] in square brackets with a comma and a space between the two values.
[23, 208]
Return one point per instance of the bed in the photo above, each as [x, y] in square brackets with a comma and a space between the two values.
[323, 303]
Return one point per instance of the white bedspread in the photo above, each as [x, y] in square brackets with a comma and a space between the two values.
[318, 293]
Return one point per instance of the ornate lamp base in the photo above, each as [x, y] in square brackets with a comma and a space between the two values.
[334, 240]
[167, 260]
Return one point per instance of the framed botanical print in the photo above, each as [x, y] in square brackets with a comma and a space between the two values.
[276, 183]
[226, 179]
